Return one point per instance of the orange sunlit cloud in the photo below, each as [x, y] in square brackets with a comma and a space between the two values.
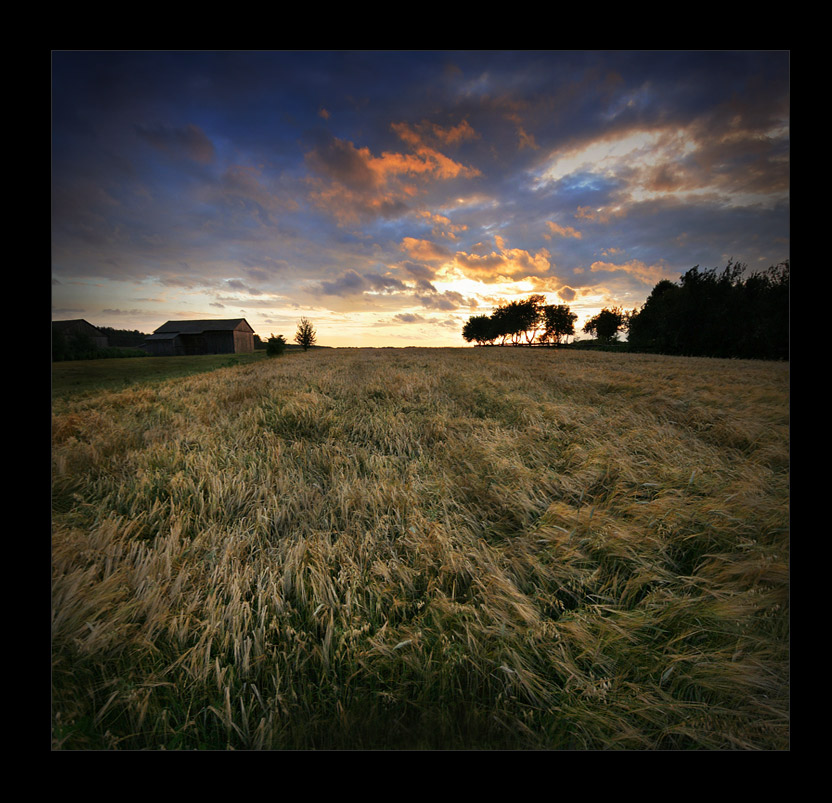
[502, 264]
[442, 225]
[425, 250]
[417, 135]
[353, 183]
[553, 284]
[563, 231]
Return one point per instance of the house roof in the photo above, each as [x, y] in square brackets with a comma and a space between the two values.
[173, 328]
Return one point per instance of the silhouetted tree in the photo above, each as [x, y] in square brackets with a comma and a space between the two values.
[506, 322]
[305, 336]
[479, 328]
[607, 324]
[764, 322]
[558, 322]
[651, 328]
[519, 318]
[531, 316]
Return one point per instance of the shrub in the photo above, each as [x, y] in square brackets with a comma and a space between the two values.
[275, 345]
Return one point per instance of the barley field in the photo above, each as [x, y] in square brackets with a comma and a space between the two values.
[425, 549]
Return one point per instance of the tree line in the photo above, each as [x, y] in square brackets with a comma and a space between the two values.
[709, 313]
[717, 313]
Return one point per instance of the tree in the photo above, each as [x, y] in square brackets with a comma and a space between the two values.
[517, 318]
[653, 328]
[479, 328]
[275, 345]
[123, 338]
[531, 314]
[558, 321]
[305, 336]
[505, 322]
[606, 324]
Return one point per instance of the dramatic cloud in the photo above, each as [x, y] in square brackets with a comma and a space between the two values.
[387, 195]
[737, 168]
[354, 184]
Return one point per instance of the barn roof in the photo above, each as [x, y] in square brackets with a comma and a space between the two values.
[174, 328]
[77, 323]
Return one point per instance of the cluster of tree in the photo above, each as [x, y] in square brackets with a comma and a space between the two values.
[124, 338]
[305, 337]
[524, 322]
[717, 313]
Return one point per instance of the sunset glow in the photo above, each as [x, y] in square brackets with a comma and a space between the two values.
[388, 196]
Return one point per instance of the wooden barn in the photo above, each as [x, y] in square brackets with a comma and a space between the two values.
[233, 336]
[79, 330]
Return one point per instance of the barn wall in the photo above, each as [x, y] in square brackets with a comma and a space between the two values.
[206, 343]
[161, 348]
[219, 343]
[243, 342]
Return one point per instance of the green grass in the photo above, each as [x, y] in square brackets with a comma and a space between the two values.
[425, 548]
[85, 376]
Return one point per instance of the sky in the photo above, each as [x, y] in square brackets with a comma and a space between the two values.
[388, 196]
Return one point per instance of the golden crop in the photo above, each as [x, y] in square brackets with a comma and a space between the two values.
[425, 548]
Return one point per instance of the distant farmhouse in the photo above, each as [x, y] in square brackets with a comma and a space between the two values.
[79, 330]
[233, 336]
